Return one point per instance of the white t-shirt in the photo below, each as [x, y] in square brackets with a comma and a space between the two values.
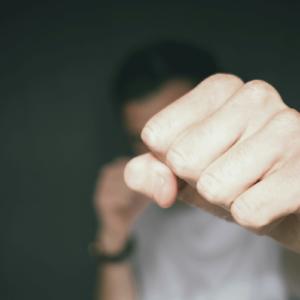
[184, 253]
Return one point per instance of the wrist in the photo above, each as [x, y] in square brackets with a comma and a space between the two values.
[109, 258]
[112, 242]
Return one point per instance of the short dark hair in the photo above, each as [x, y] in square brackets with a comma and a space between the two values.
[149, 67]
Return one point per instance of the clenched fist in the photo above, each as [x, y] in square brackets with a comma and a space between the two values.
[237, 146]
[116, 205]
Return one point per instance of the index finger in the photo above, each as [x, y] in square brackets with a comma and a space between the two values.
[162, 130]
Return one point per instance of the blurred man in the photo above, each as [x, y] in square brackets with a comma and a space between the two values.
[181, 252]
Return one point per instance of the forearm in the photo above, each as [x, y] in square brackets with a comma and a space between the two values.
[291, 262]
[115, 281]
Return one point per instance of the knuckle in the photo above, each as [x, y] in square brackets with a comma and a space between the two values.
[154, 134]
[287, 119]
[209, 187]
[177, 161]
[221, 79]
[258, 92]
[248, 215]
[259, 86]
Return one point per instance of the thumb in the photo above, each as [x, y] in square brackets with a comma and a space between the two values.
[147, 175]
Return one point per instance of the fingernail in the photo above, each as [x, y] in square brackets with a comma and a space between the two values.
[157, 187]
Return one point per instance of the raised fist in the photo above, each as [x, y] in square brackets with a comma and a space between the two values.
[238, 147]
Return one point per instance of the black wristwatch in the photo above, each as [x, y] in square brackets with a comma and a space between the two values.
[100, 256]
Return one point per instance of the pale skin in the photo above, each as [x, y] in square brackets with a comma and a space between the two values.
[238, 146]
[116, 205]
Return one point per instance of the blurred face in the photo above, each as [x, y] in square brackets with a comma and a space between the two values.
[138, 111]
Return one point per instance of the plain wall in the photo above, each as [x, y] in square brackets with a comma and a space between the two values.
[57, 125]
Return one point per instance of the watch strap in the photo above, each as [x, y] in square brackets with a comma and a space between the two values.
[101, 257]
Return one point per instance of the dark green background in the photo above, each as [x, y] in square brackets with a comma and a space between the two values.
[57, 126]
